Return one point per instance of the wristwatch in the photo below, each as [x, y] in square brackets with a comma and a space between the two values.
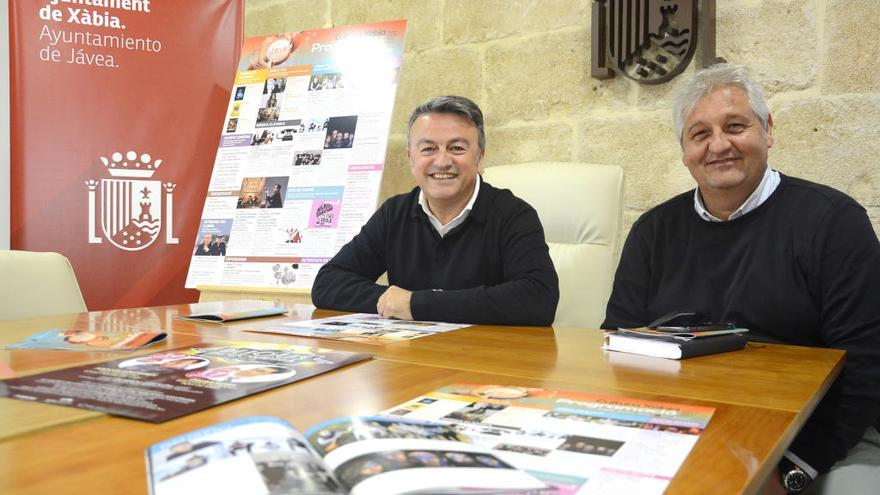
[793, 478]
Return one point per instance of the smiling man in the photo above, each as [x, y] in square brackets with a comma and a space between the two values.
[793, 261]
[455, 248]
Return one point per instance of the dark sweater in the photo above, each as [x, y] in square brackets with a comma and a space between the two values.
[803, 268]
[494, 268]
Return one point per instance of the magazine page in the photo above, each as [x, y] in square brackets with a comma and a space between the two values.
[301, 154]
[363, 328]
[384, 456]
[574, 442]
[89, 341]
[169, 384]
[255, 455]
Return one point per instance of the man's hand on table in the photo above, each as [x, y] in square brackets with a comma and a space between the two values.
[394, 303]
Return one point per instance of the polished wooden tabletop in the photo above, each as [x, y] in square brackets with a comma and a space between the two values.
[762, 395]
[791, 378]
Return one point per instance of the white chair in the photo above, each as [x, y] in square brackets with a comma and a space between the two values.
[581, 208]
[37, 284]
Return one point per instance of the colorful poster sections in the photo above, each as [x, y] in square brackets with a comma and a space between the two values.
[166, 385]
[575, 442]
[301, 155]
[110, 158]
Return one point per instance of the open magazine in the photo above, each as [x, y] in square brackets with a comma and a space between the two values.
[366, 455]
[463, 438]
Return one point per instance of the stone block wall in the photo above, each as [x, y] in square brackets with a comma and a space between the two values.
[527, 63]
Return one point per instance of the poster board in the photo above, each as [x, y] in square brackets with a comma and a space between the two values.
[301, 154]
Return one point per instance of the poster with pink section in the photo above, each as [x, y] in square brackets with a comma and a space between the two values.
[301, 154]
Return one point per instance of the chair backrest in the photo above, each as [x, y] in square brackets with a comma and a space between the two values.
[581, 208]
[37, 284]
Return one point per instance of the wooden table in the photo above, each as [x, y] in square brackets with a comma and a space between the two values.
[762, 395]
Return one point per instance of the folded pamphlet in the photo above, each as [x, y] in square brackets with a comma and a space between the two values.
[89, 340]
[240, 315]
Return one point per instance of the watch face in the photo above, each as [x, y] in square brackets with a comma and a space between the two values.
[795, 481]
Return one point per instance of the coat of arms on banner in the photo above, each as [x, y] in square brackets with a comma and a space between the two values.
[131, 205]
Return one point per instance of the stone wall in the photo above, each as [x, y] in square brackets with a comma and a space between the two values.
[527, 63]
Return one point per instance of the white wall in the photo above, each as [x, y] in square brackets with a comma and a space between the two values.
[4, 125]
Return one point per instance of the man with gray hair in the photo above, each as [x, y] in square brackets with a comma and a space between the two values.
[455, 248]
[793, 261]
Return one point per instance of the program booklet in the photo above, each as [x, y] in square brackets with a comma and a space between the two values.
[363, 328]
[173, 383]
[89, 340]
[463, 438]
[362, 455]
[240, 315]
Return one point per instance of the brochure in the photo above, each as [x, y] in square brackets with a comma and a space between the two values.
[363, 328]
[464, 438]
[169, 384]
[240, 315]
[365, 455]
[89, 341]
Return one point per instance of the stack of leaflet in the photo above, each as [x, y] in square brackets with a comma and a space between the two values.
[675, 344]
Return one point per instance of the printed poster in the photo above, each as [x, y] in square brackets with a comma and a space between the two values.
[302, 149]
[169, 384]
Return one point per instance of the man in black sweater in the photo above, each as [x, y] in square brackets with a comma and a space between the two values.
[455, 248]
[793, 261]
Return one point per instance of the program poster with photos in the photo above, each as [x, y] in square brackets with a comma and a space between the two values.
[575, 442]
[301, 154]
[173, 383]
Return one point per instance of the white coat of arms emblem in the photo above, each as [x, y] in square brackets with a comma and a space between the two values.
[130, 203]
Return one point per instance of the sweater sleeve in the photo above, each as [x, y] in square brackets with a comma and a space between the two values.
[845, 284]
[348, 281]
[628, 302]
[528, 294]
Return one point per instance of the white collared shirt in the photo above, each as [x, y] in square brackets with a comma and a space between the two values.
[765, 188]
[455, 222]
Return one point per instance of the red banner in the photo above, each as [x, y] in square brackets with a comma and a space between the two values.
[115, 106]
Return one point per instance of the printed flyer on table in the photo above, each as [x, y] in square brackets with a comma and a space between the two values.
[575, 442]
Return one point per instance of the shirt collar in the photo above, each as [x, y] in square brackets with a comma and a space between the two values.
[455, 222]
[765, 188]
